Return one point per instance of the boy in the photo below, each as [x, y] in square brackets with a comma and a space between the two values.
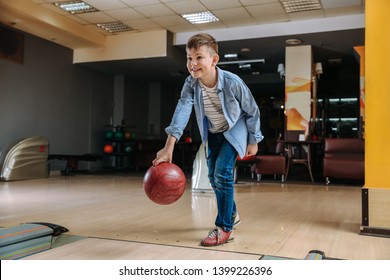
[229, 122]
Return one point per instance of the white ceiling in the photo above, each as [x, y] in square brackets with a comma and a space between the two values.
[145, 15]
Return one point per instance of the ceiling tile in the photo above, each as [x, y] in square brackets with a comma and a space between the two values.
[182, 28]
[175, 24]
[236, 22]
[326, 4]
[167, 1]
[306, 15]
[266, 10]
[106, 5]
[141, 24]
[97, 17]
[272, 19]
[185, 7]
[211, 25]
[171, 21]
[124, 14]
[155, 10]
[135, 3]
[218, 5]
[231, 14]
[258, 2]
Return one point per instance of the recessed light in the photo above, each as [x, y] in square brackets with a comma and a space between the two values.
[293, 41]
[230, 55]
[202, 17]
[245, 50]
[76, 7]
[245, 66]
[293, 6]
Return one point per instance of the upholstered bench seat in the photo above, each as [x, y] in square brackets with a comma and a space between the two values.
[270, 165]
[343, 158]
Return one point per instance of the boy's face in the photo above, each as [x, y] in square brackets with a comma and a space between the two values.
[201, 62]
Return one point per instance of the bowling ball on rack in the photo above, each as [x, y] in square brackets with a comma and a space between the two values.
[164, 183]
[128, 149]
[108, 149]
[109, 135]
[118, 135]
[127, 135]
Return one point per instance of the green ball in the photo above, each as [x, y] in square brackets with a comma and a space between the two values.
[118, 135]
[109, 134]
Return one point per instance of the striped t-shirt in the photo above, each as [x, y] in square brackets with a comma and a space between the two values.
[213, 109]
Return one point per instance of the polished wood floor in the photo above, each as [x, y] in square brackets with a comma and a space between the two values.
[286, 220]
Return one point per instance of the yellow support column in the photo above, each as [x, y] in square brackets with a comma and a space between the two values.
[376, 192]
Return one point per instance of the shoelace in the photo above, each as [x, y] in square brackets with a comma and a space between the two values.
[213, 233]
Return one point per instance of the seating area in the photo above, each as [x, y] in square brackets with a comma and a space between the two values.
[343, 158]
[264, 164]
[340, 158]
[272, 164]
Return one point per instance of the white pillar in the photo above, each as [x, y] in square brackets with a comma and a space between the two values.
[119, 94]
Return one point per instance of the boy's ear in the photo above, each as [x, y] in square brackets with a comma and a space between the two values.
[215, 59]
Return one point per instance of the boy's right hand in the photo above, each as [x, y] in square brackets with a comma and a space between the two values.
[162, 156]
[165, 154]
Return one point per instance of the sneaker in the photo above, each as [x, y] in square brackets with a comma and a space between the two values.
[236, 219]
[216, 237]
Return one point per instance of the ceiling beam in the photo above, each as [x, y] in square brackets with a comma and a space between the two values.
[281, 28]
[34, 19]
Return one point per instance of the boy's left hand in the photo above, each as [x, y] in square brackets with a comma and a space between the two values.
[251, 150]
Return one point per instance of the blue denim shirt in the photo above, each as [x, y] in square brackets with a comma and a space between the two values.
[238, 106]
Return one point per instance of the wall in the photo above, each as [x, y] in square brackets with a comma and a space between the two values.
[135, 102]
[139, 97]
[47, 95]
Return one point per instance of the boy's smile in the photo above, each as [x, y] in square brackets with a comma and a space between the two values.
[201, 64]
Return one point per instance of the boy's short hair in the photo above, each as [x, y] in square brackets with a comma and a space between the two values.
[202, 39]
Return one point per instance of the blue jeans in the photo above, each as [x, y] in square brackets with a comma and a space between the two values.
[220, 161]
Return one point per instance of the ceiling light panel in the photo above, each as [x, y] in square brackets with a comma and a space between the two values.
[114, 27]
[202, 17]
[293, 6]
[76, 7]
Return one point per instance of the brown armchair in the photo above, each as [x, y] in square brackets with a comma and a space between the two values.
[343, 158]
[274, 164]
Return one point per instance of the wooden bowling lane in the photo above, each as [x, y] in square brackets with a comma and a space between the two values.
[105, 249]
[286, 220]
